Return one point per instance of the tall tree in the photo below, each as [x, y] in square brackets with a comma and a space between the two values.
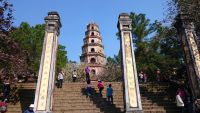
[31, 40]
[11, 54]
[141, 29]
[156, 46]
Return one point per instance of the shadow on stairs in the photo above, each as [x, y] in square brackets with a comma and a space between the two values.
[101, 102]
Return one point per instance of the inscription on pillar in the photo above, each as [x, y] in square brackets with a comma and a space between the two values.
[130, 70]
[42, 100]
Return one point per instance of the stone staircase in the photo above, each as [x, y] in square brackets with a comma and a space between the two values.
[26, 95]
[158, 98]
[72, 98]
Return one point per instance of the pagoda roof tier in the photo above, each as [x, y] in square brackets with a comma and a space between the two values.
[93, 54]
[95, 36]
[92, 30]
[92, 44]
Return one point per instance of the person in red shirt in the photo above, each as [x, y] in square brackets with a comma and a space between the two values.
[100, 87]
[3, 106]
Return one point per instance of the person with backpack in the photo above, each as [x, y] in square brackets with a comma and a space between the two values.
[74, 75]
[100, 87]
[110, 94]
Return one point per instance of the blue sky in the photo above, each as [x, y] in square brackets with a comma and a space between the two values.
[76, 14]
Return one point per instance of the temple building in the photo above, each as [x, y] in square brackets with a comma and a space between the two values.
[93, 49]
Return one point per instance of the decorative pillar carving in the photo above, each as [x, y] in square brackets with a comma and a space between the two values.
[45, 83]
[189, 39]
[132, 93]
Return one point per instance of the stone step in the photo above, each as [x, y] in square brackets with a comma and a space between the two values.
[93, 108]
[72, 98]
[161, 111]
[77, 111]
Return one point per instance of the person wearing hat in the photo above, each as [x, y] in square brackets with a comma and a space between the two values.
[30, 109]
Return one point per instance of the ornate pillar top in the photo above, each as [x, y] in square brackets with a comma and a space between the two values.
[53, 22]
[124, 23]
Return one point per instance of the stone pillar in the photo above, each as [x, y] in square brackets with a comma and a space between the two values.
[132, 93]
[45, 83]
[186, 32]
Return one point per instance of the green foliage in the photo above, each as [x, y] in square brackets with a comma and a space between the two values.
[61, 57]
[156, 47]
[144, 52]
[31, 40]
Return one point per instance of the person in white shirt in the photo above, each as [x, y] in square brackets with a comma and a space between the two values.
[179, 102]
[141, 77]
[60, 79]
[74, 75]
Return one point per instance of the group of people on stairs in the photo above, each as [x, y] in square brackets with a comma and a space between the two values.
[100, 86]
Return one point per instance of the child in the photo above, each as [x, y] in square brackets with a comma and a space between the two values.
[110, 94]
[88, 88]
[100, 87]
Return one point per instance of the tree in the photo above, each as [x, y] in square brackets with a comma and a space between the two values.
[61, 57]
[31, 40]
[11, 54]
[141, 29]
[156, 46]
[6, 16]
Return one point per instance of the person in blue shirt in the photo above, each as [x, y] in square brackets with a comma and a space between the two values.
[30, 109]
[110, 94]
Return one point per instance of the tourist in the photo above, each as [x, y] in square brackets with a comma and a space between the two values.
[145, 77]
[87, 73]
[110, 94]
[3, 106]
[180, 100]
[74, 75]
[89, 88]
[6, 88]
[100, 87]
[30, 109]
[141, 76]
[60, 79]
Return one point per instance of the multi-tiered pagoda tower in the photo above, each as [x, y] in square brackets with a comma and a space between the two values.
[93, 50]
